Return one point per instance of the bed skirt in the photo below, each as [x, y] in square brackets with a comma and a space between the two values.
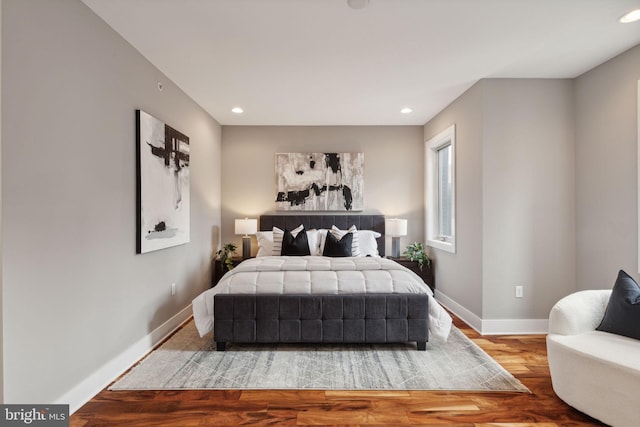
[341, 318]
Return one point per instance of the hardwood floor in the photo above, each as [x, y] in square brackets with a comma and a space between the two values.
[524, 356]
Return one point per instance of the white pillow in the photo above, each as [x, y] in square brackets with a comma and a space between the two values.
[313, 236]
[368, 243]
[355, 245]
[277, 238]
[265, 243]
[322, 238]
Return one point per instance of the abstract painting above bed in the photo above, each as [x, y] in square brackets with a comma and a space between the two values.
[320, 181]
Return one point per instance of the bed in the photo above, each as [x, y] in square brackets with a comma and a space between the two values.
[311, 298]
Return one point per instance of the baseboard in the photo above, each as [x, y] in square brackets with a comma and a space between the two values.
[515, 326]
[105, 375]
[494, 326]
[464, 314]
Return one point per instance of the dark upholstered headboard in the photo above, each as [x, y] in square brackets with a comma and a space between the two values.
[343, 222]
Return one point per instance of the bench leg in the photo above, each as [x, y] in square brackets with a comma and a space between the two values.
[220, 346]
[422, 345]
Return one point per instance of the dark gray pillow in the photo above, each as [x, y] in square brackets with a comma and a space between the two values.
[337, 248]
[297, 246]
[622, 315]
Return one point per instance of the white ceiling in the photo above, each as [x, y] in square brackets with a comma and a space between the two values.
[319, 62]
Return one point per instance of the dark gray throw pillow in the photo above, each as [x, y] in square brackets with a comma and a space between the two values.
[622, 316]
[297, 246]
[337, 248]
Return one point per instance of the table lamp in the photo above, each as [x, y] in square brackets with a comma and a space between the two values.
[246, 227]
[395, 228]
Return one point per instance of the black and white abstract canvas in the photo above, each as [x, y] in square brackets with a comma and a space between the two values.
[163, 184]
[320, 181]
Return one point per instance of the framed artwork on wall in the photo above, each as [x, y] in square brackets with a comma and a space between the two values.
[162, 185]
[320, 181]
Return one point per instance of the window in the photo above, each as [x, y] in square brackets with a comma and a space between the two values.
[440, 186]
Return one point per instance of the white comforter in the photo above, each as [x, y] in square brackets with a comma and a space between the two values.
[319, 275]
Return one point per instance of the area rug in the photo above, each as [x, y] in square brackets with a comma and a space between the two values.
[186, 361]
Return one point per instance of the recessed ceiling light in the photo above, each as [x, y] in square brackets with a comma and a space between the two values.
[632, 16]
[357, 4]
[406, 110]
[237, 110]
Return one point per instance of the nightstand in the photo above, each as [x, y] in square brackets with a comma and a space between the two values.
[426, 273]
[219, 269]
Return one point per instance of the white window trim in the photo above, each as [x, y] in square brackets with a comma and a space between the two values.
[446, 137]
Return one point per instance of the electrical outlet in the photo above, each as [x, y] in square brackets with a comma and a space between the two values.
[519, 291]
[173, 289]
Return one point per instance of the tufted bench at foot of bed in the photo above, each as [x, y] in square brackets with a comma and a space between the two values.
[342, 318]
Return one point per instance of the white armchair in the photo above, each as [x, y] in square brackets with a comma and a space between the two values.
[596, 372]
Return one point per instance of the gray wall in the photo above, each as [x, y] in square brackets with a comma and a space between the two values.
[606, 171]
[75, 293]
[515, 198]
[393, 157]
[459, 275]
[528, 196]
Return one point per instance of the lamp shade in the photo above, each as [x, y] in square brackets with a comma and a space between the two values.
[246, 226]
[395, 227]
